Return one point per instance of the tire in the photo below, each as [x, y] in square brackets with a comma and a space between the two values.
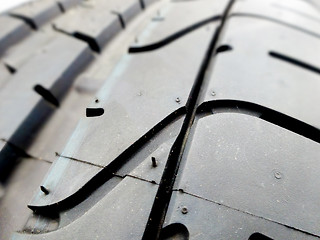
[145, 119]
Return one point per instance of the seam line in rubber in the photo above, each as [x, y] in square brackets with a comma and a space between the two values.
[246, 212]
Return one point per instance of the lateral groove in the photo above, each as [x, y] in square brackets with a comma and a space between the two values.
[294, 61]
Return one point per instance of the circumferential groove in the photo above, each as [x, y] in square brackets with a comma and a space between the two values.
[163, 196]
[46, 95]
[94, 112]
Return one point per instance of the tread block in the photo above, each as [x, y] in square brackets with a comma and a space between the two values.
[18, 55]
[251, 165]
[6, 167]
[97, 23]
[13, 205]
[164, 23]
[38, 13]
[133, 196]
[12, 31]
[59, 62]
[258, 77]
[55, 133]
[127, 87]
[128, 9]
[142, 170]
[68, 4]
[139, 165]
[147, 3]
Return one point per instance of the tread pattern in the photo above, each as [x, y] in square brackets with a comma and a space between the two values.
[274, 158]
[37, 13]
[277, 86]
[209, 124]
[129, 88]
[95, 25]
[13, 57]
[74, 55]
[38, 130]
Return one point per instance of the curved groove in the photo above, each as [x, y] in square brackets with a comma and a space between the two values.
[108, 172]
[295, 62]
[267, 114]
[173, 37]
[274, 20]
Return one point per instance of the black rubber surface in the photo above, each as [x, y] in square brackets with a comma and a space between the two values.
[168, 119]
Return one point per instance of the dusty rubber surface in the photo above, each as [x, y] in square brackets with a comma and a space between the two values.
[142, 119]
